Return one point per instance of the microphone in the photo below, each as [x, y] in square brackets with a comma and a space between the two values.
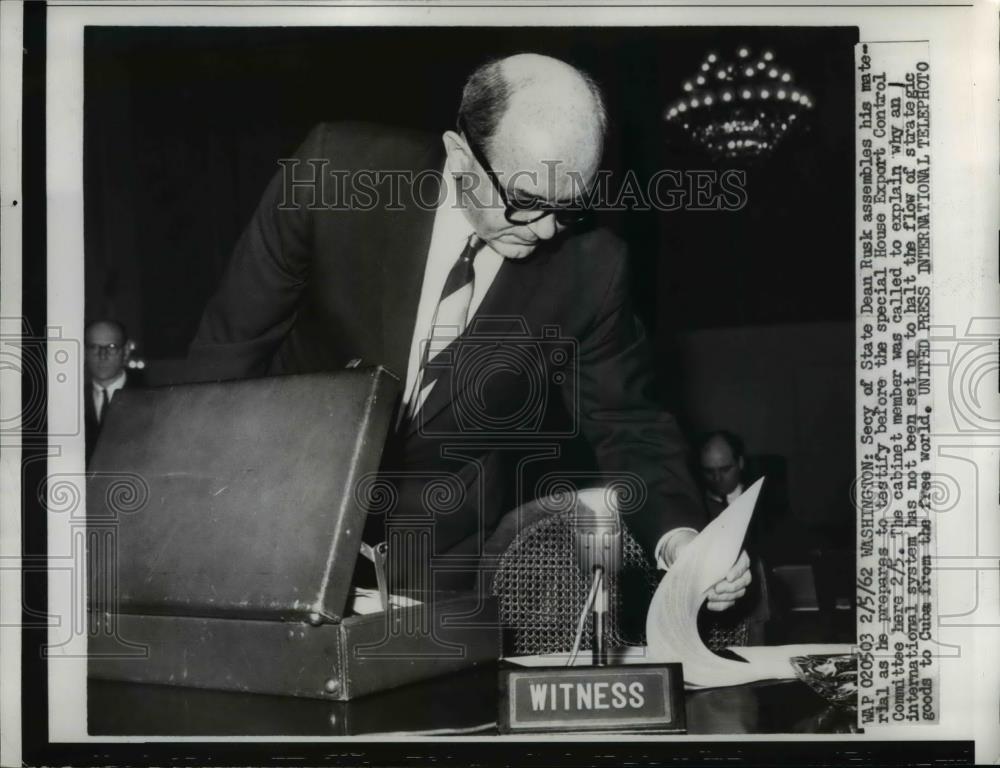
[598, 549]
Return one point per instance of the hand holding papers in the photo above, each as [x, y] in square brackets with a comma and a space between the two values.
[671, 624]
[732, 586]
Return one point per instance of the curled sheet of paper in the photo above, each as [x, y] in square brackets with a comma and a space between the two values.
[671, 624]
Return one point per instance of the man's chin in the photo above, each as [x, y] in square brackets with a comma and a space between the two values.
[513, 250]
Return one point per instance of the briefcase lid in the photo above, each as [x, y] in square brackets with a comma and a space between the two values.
[240, 498]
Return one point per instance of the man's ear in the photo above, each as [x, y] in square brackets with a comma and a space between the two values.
[740, 463]
[460, 159]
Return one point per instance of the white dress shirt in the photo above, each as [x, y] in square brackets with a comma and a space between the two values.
[98, 394]
[448, 238]
[732, 496]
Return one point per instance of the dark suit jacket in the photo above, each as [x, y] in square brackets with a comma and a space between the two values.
[312, 289]
[91, 426]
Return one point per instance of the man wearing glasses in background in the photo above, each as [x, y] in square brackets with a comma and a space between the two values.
[485, 237]
[106, 358]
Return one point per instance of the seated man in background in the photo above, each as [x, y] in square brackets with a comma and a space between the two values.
[722, 462]
[105, 373]
[722, 465]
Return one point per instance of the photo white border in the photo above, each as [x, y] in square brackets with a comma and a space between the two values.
[11, 37]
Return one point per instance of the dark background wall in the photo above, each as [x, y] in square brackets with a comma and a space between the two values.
[183, 127]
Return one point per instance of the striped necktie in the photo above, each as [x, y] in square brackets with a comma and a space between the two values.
[450, 319]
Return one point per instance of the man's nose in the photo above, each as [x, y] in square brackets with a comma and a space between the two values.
[544, 228]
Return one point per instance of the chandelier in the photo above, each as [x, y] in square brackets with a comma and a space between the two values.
[739, 108]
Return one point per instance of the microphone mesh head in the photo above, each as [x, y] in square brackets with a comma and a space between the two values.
[541, 587]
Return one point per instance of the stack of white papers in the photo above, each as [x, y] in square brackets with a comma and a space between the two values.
[671, 624]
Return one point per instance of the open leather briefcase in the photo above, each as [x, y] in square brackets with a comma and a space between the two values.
[224, 522]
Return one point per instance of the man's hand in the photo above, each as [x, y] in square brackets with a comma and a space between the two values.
[730, 589]
[726, 591]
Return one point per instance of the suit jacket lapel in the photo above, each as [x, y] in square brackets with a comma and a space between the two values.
[404, 242]
[500, 316]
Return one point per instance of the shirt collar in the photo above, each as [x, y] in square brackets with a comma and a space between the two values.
[117, 383]
[730, 497]
[452, 216]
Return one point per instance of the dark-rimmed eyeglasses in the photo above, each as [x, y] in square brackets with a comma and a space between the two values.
[110, 349]
[522, 211]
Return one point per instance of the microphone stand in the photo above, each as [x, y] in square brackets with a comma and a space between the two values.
[599, 614]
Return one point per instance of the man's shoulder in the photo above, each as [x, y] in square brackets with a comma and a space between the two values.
[599, 240]
[598, 249]
[360, 141]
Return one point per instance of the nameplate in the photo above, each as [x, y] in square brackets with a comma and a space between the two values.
[633, 697]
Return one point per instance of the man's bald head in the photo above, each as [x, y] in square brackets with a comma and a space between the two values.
[518, 97]
[540, 124]
[721, 462]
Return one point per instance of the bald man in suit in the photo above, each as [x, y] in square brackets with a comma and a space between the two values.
[483, 231]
